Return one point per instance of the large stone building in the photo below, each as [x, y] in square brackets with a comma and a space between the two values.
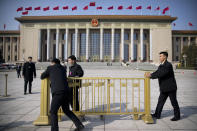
[95, 38]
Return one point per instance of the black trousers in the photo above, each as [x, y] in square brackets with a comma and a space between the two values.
[25, 85]
[18, 74]
[61, 99]
[76, 98]
[162, 99]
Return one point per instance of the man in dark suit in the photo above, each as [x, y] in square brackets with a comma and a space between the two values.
[75, 70]
[29, 70]
[18, 70]
[168, 87]
[60, 94]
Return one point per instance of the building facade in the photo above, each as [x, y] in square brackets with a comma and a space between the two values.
[9, 45]
[95, 38]
[181, 38]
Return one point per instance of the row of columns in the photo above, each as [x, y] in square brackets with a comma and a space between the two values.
[11, 52]
[101, 44]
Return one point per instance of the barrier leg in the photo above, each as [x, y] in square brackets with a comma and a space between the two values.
[44, 117]
[147, 117]
[6, 86]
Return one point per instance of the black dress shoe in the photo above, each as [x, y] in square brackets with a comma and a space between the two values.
[175, 119]
[155, 116]
[81, 127]
[25, 93]
[30, 93]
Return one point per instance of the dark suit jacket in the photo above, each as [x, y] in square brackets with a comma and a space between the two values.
[76, 71]
[165, 75]
[29, 70]
[57, 76]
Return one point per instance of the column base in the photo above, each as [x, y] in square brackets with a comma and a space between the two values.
[112, 60]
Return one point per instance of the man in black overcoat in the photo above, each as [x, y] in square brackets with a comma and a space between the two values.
[29, 70]
[60, 94]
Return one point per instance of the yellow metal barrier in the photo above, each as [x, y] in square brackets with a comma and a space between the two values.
[105, 96]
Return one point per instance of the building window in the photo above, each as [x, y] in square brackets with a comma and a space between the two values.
[177, 39]
[145, 36]
[107, 43]
[54, 36]
[94, 43]
[45, 36]
[63, 36]
[73, 44]
[126, 47]
[135, 36]
[117, 44]
[8, 58]
[177, 58]
[15, 48]
[82, 44]
[177, 48]
[15, 58]
[8, 47]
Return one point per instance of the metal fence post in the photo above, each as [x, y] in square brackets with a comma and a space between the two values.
[147, 117]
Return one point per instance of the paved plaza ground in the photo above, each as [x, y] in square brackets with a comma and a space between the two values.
[18, 111]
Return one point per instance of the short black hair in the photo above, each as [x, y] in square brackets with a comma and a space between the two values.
[164, 53]
[29, 57]
[72, 57]
[56, 61]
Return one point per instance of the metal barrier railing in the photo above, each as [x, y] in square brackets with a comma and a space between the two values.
[103, 96]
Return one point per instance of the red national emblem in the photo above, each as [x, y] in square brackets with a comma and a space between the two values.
[94, 22]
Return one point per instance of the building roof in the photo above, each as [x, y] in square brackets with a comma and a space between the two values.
[142, 18]
[184, 32]
[9, 32]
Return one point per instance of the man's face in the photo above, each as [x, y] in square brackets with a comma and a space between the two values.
[71, 62]
[29, 59]
[162, 58]
[52, 63]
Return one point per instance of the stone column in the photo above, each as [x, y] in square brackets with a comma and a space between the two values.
[39, 45]
[66, 45]
[87, 43]
[141, 45]
[76, 42]
[48, 44]
[132, 45]
[10, 49]
[57, 43]
[151, 53]
[122, 44]
[17, 46]
[101, 44]
[3, 47]
[112, 44]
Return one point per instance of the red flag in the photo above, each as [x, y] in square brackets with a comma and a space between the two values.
[25, 13]
[110, 8]
[130, 7]
[158, 8]
[99, 8]
[120, 7]
[92, 3]
[190, 24]
[46, 8]
[85, 8]
[74, 8]
[37, 8]
[65, 7]
[19, 9]
[138, 7]
[4, 26]
[165, 9]
[149, 8]
[29, 8]
[56, 8]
